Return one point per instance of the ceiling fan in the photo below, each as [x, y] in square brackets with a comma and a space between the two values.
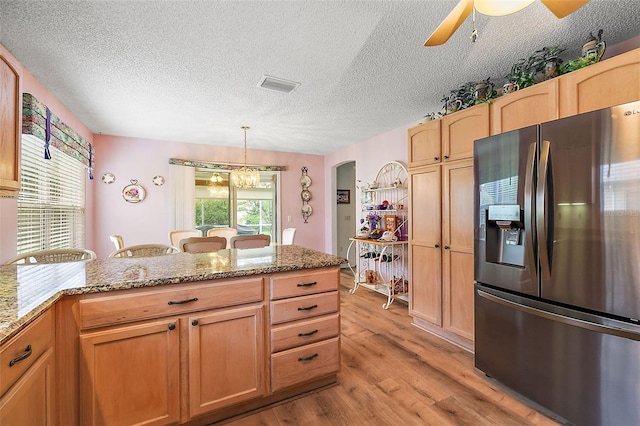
[463, 9]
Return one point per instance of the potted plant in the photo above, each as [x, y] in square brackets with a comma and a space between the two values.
[581, 62]
[519, 74]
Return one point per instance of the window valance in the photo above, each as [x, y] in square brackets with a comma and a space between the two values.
[219, 166]
[39, 121]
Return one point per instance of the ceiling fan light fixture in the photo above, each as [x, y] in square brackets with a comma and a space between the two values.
[500, 7]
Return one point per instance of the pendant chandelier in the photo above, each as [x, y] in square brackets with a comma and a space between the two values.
[245, 177]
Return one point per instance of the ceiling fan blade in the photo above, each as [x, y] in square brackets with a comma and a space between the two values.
[451, 23]
[562, 8]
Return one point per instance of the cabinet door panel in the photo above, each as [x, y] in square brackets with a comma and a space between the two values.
[533, 105]
[424, 206]
[10, 122]
[424, 144]
[459, 130]
[226, 358]
[591, 88]
[458, 293]
[130, 375]
[29, 402]
[425, 297]
[457, 207]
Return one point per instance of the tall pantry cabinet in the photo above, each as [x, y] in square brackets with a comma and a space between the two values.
[441, 222]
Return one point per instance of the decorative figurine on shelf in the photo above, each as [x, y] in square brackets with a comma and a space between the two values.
[594, 45]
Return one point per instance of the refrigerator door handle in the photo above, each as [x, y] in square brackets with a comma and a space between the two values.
[598, 328]
[541, 210]
[528, 215]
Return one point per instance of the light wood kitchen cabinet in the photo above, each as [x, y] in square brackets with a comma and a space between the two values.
[611, 82]
[425, 256]
[304, 326]
[425, 144]
[226, 352]
[459, 130]
[27, 375]
[457, 237]
[441, 250]
[10, 122]
[448, 138]
[131, 374]
[526, 107]
[171, 355]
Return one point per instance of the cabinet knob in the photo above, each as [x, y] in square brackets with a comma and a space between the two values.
[437, 245]
[436, 158]
[446, 247]
[194, 322]
[446, 157]
[172, 326]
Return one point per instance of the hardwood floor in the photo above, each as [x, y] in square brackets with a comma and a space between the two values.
[396, 374]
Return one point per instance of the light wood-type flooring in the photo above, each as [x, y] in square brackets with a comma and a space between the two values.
[396, 374]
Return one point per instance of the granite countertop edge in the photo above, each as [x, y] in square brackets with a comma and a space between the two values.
[11, 322]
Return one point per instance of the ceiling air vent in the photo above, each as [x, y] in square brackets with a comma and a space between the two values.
[277, 84]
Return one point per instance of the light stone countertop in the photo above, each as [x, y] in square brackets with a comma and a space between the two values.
[26, 291]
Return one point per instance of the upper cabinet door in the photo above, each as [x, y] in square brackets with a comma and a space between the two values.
[460, 129]
[533, 105]
[10, 123]
[608, 83]
[424, 144]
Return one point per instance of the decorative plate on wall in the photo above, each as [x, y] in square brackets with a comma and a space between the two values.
[108, 178]
[305, 181]
[133, 193]
[158, 180]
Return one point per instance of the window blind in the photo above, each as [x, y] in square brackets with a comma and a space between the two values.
[51, 202]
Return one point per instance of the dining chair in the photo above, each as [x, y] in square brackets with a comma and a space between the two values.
[145, 250]
[176, 235]
[288, 235]
[53, 256]
[228, 233]
[117, 241]
[250, 241]
[202, 244]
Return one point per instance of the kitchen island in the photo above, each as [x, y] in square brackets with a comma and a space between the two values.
[177, 339]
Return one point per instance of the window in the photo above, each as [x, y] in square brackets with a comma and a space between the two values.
[51, 202]
[219, 204]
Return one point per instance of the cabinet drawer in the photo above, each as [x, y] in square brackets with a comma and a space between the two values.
[302, 283]
[134, 305]
[304, 332]
[305, 363]
[25, 349]
[304, 307]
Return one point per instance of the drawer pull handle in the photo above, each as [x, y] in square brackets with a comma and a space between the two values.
[311, 333]
[27, 353]
[172, 326]
[307, 284]
[194, 322]
[308, 308]
[180, 302]
[307, 358]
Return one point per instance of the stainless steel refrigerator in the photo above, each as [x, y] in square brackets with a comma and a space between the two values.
[557, 264]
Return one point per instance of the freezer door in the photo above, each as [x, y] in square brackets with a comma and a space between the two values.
[504, 240]
[582, 367]
[588, 212]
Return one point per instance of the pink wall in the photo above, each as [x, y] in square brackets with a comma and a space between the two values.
[369, 155]
[149, 220]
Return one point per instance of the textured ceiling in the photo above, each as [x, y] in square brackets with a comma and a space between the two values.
[188, 70]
